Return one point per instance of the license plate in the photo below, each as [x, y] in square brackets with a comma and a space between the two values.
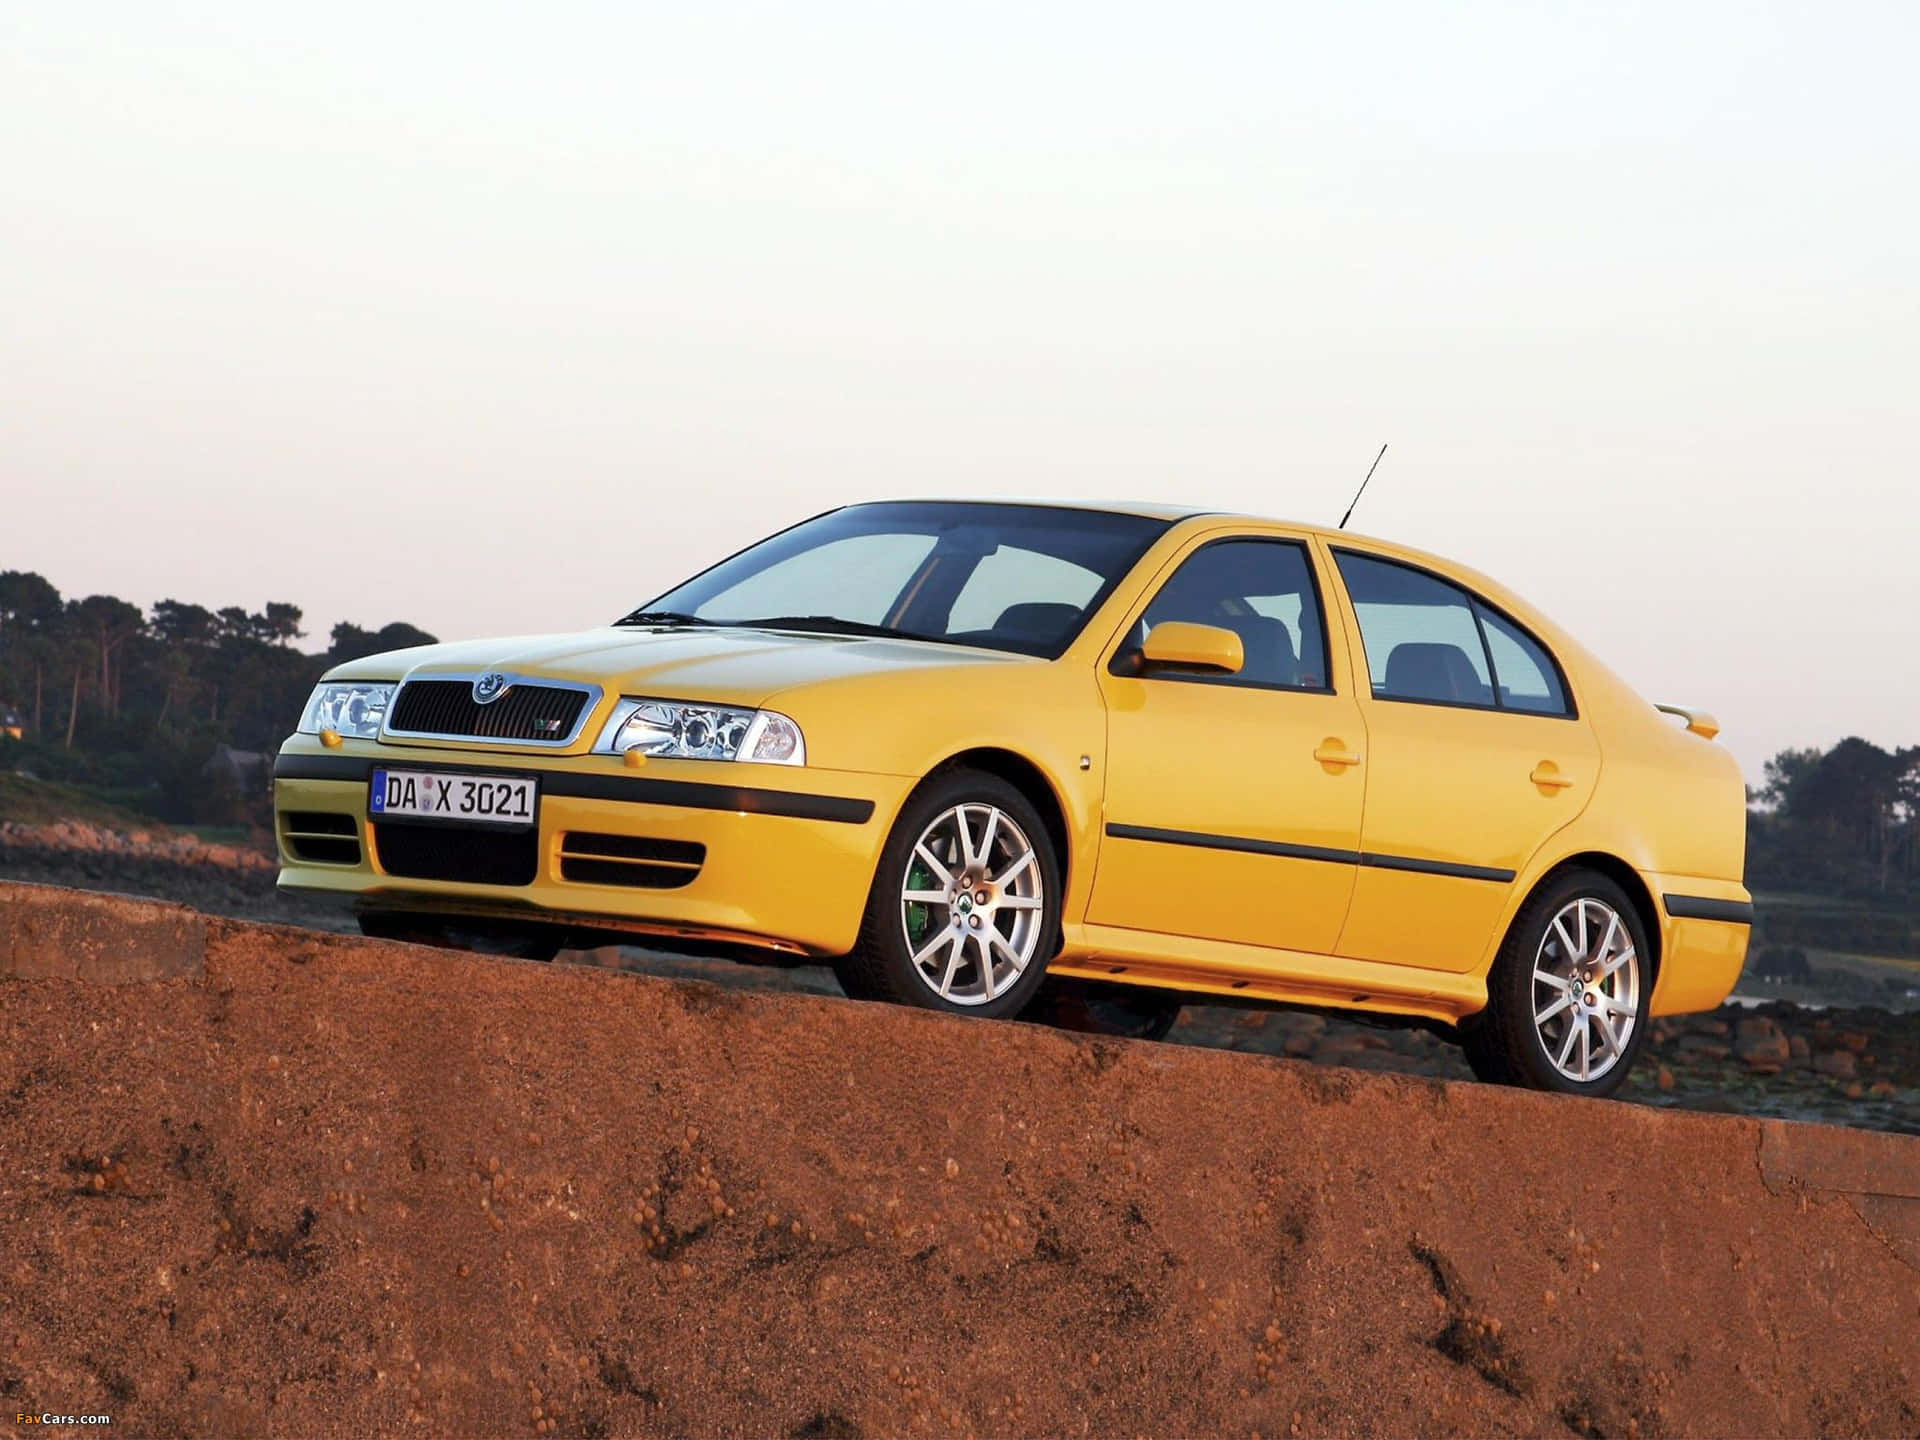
[465, 799]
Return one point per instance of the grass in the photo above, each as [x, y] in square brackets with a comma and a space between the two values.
[41, 802]
[219, 834]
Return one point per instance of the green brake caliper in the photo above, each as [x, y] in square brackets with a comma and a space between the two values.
[919, 916]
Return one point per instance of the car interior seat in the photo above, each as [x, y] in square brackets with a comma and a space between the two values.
[1428, 670]
[1268, 646]
[1036, 622]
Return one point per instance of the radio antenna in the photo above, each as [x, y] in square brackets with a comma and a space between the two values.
[1363, 486]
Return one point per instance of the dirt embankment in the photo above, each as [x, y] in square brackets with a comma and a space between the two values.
[1852, 1066]
[279, 1181]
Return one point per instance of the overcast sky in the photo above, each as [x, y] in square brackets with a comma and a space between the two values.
[504, 318]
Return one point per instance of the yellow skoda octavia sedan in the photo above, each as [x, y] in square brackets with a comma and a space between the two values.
[997, 759]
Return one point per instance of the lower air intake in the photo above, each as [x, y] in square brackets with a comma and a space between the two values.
[446, 852]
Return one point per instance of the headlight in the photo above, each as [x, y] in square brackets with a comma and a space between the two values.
[351, 710]
[679, 731]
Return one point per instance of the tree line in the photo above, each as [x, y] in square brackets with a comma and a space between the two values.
[1839, 822]
[133, 702]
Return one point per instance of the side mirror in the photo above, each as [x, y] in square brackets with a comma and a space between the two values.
[1179, 645]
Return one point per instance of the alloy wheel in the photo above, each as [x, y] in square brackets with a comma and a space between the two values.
[972, 904]
[1586, 989]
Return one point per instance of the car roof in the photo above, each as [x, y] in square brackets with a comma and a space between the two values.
[1149, 509]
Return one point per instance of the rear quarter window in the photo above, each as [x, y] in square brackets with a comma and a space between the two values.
[1529, 679]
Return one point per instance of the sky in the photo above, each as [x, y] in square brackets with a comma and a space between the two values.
[501, 319]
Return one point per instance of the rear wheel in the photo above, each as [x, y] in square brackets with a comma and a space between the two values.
[1567, 997]
[964, 911]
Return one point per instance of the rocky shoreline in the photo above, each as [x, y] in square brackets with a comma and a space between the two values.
[73, 837]
[1853, 1067]
[239, 881]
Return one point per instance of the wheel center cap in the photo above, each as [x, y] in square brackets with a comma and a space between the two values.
[964, 904]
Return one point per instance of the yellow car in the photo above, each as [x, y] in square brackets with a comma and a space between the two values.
[956, 748]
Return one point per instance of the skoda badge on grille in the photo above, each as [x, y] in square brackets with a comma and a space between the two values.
[489, 688]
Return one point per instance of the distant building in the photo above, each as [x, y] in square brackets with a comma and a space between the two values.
[13, 724]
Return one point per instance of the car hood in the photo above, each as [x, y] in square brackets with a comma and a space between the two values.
[735, 667]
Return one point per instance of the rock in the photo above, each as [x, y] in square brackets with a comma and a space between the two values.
[1704, 1047]
[1664, 1079]
[1798, 1048]
[1351, 1044]
[1761, 1046]
[1707, 1025]
[1838, 1064]
[1854, 1041]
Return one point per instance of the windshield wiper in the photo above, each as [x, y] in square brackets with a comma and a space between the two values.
[660, 617]
[829, 625]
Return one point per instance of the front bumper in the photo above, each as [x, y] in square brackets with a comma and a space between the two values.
[789, 852]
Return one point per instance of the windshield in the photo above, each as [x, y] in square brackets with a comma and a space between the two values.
[1006, 577]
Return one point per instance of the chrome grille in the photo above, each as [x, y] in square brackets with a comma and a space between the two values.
[525, 711]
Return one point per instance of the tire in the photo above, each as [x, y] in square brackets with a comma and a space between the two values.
[1091, 1007]
[1542, 979]
[518, 941]
[923, 856]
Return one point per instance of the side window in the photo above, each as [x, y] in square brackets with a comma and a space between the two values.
[1420, 634]
[1428, 640]
[1527, 676]
[1263, 591]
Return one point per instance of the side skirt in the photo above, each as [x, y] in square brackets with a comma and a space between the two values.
[1252, 972]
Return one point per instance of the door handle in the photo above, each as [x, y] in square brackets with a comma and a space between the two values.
[1335, 752]
[1548, 777]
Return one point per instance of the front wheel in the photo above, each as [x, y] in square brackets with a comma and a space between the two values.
[1567, 997]
[964, 912]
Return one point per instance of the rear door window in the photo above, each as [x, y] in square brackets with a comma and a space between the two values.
[1432, 642]
[1420, 633]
